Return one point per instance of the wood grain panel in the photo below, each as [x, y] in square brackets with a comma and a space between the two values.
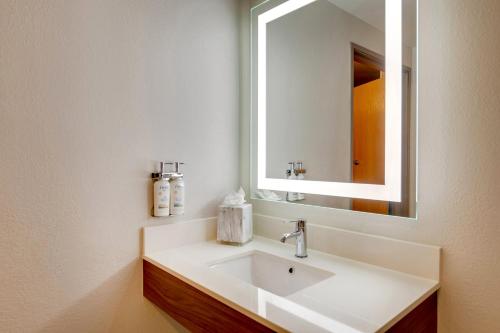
[423, 319]
[200, 312]
[192, 308]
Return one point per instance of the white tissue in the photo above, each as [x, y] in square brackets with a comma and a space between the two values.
[267, 195]
[234, 198]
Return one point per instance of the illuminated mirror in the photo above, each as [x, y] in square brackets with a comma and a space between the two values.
[334, 103]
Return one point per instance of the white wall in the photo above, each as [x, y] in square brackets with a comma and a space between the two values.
[92, 94]
[459, 154]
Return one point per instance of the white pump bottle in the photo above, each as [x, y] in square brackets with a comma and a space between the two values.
[177, 191]
[161, 195]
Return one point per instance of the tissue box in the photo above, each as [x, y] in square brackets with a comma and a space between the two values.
[234, 224]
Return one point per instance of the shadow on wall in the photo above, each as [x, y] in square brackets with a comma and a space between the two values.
[136, 314]
[120, 306]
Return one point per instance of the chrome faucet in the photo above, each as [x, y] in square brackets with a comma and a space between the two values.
[301, 238]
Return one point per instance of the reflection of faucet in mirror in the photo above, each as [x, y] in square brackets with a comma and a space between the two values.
[290, 174]
[300, 171]
[295, 171]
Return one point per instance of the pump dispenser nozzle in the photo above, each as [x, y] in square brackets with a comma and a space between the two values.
[177, 167]
[162, 168]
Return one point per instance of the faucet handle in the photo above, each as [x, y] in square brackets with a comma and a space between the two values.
[295, 221]
[300, 223]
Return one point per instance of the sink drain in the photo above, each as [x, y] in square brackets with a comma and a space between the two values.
[291, 270]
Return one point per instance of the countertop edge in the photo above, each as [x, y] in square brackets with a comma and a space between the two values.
[269, 323]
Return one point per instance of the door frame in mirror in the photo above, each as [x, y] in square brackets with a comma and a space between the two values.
[391, 190]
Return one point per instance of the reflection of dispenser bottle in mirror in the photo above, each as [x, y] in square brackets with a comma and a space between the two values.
[290, 174]
[177, 191]
[161, 198]
[300, 171]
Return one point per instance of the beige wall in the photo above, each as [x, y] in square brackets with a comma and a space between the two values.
[459, 158]
[92, 94]
[86, 88]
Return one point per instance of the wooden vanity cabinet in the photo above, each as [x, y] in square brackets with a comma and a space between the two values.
[422, 319]
[199, 312]
[194, 309]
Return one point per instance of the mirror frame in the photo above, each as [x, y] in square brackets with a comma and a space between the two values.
[391, 190]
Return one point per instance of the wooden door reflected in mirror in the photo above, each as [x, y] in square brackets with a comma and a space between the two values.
[368, 130]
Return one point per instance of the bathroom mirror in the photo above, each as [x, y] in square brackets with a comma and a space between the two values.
[334, 103]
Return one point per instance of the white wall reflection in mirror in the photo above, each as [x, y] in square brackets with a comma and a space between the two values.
[334, 103]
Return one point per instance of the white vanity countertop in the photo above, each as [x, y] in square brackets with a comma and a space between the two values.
[358, 298]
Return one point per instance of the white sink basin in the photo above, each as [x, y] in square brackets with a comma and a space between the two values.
[274, 274]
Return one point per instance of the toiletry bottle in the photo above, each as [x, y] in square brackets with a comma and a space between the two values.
[177, 191]
[300, 176]
[161, 198]
[290, 173]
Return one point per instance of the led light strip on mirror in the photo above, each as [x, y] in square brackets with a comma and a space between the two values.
[391, 190]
